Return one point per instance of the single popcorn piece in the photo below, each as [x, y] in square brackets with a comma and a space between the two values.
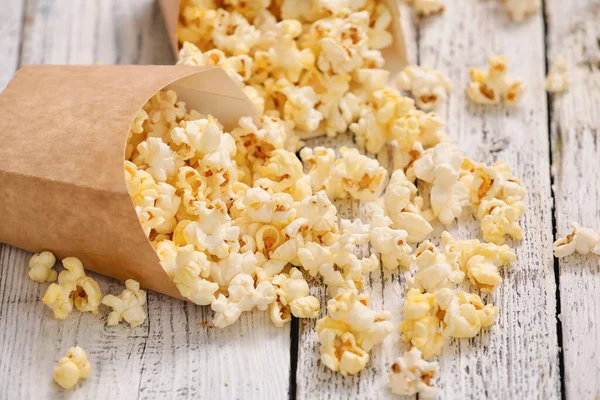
[580, 240]
[499, 219]
[361, 177]
[426, 7]
[74, 288]
[127, 306]
[428, 87]
[191, 276]
[71, 368]
[421, 326]
[479, 261]
[557, 81]
[464, 314]
[436, 270]
[519, 10]
[40, 267]
[495, 86]
[411, 375]
[440, 166]
[292, 296]
[350, 331]
[404, 208]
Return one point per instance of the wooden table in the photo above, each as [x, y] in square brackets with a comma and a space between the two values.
[552, 143]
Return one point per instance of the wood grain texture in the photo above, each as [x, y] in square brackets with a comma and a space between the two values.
[171, 355]
[573, 33]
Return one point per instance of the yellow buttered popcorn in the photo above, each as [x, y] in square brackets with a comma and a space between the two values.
[74, 288]
[293, 298]
[479, 261]
[40, 267]
[421, 326]
[463, 314]
[350, 330]
[71, 368]
[494, 86]
[360, 177]
[127, 306]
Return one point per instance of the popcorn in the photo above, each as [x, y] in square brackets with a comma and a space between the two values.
[320, 160]
[426, 7]
[243, 296]
[73, 288]
[494, 86]
[580, 240]
[421, 326]
[299, 107]
[410, 375]
[161, 160]
[351, 331]
[71, 368]
[190, 276]
[499, 219]
[392, 245]
[292, 298]
[519, 10]
[361, 177]
[440, 166]
[464, 314]
[436, 270]
[428, 87]
[557, 81]
[233, 34]
[127, 306]
[480, 261]
[40, 267]
[404, 208]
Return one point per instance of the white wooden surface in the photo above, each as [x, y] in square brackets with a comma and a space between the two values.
[574, 33]
[173, 356]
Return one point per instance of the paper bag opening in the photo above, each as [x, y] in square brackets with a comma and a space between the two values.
[62, 146]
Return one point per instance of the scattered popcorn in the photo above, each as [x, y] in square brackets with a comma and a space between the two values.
[73, 288]
[580, 240]
[71, 368]
[464, 314]
[436, 270]
[127, 306]
[426, 7]
[440, 166]
[40, 267]
[350, 331]
[404, 208]
[519, 10]
[421, 326]
[479, 261]
[360, 176]
[494, 87]
[292, 298]
[428, 87]
[412, 375]
[557, 81]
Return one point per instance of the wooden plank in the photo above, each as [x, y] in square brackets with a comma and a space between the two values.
[518, 356]
[171, 354]
[11, 29]
[573, 33]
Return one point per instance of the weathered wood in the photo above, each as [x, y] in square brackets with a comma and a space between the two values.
[573, 33]
[171, 354]
[11, 29]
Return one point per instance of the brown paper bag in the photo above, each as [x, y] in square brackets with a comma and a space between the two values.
[62, 143]
[395, 55]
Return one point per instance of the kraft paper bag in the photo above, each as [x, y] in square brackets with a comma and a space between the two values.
[395, 55]
[62, 146]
